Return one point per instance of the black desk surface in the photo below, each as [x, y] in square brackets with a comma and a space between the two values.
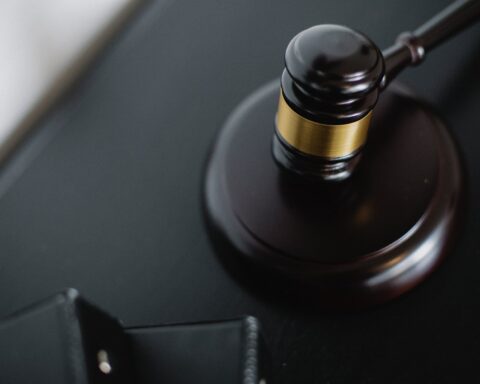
[105, 195]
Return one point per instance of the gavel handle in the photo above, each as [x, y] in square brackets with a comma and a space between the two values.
[410, 47]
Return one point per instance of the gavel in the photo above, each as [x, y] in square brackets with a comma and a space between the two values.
[364, 194]
[331, 83]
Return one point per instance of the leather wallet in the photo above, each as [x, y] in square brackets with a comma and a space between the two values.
[65, 339]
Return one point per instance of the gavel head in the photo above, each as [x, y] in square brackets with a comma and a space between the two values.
[331, 82]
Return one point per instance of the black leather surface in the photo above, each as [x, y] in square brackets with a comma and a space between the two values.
[217, 352]
[56, 341]
[36, 347]
[106, 194]
[59, 341]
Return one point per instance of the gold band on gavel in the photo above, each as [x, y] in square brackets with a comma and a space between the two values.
[323, 140]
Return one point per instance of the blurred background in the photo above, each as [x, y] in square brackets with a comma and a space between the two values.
[44, 45]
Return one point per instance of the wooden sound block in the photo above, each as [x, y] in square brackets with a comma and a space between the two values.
[358, 242]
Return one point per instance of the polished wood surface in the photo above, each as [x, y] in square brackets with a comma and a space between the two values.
[358, 242]
[332, 74]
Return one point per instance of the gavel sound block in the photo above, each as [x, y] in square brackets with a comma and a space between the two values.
[336, 182]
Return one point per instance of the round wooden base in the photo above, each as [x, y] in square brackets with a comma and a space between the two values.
[353, 243]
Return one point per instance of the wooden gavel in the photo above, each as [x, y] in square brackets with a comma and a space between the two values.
[331, 83]
[353, 240]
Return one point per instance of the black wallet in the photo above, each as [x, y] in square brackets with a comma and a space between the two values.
[65, 339]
